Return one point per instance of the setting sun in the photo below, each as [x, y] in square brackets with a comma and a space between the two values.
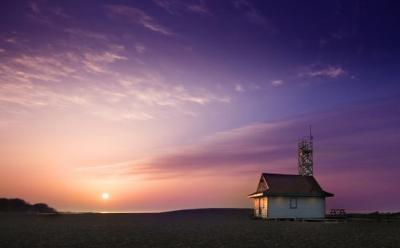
[105, 196]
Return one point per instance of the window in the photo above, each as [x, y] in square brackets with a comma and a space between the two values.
[293, 202]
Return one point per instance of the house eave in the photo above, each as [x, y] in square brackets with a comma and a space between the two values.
[290, 194]
[255, 195]
[296, 194]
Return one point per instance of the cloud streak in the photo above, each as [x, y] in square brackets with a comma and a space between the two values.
[252, 15]
[38, 81]
[176, 7]
[135, 15]
[46, 14]
[318, 71]
[277, 82]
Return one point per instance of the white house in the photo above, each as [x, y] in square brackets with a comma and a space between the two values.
[289, 196]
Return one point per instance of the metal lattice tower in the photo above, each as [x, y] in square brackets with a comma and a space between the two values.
[305, 152]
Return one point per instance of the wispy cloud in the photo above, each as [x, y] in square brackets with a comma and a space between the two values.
[253, 15]
[29, 95]
[11, 40]
[85, 71]
[76, 32]
[33, 81]
[140, 48]
[320, 71]
[138, 16]
[56, 67]
[46, 14]
[123, 115]
[199, 7]
[96, 62]
[277, 82]
[176, 7]
[239, 88]
[152, 90]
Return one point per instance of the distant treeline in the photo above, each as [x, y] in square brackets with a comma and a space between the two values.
[374, 215]
[21, 206]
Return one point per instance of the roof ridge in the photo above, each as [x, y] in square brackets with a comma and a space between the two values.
[281, 174]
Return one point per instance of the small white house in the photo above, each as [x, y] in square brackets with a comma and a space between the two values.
[289, 196]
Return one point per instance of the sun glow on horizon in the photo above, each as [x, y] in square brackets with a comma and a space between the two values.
[105, 196]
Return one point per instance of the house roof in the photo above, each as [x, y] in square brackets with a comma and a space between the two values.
[288, 185]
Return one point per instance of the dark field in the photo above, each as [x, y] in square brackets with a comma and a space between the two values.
[216, 228]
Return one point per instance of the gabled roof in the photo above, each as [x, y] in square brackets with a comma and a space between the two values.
[289, 185]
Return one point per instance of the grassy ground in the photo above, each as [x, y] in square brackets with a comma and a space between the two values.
[188, 229]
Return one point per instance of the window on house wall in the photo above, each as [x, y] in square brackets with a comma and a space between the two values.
[293, 202]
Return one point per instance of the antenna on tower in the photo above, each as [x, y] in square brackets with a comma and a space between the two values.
[305, 153]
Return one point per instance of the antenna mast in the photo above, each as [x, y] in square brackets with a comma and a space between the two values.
[305, 153]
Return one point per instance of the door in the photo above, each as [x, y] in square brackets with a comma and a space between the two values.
[257, 207]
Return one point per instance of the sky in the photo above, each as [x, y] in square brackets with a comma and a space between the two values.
[170, 104]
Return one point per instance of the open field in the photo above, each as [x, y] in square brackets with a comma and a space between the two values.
[212, 228]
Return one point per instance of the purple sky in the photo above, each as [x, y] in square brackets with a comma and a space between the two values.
[171, 104]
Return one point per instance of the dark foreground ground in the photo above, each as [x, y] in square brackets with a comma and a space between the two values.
[212, 228]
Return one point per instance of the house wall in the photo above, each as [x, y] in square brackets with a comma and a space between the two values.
[264, 207]
[307, 207]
